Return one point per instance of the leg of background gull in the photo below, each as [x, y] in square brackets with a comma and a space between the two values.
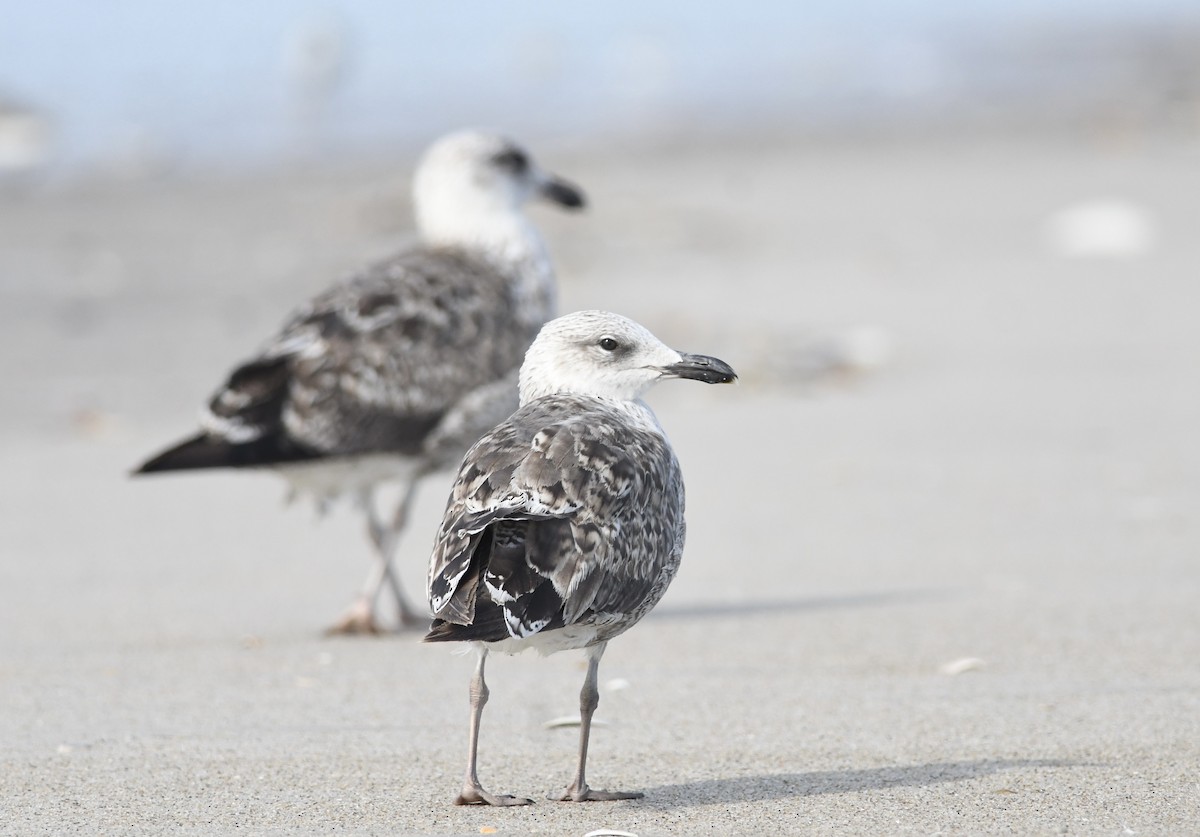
[386, 544]
[472, 792]
[360, 617]
[589, 699]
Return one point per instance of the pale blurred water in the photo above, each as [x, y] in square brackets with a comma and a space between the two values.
[140, 82]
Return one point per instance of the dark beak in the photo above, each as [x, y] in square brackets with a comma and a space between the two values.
[702, 368]
[562, 193]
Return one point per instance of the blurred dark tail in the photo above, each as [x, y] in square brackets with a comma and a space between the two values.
[198, 452]
[202, 451]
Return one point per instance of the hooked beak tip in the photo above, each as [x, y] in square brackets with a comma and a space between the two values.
[704, 368]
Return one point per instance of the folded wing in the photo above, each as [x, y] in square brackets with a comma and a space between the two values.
[372, 365]
[542, 529]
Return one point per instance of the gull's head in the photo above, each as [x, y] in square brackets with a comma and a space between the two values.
[609, 356]
[470, 188]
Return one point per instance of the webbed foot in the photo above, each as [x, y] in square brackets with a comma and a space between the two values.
[586, 794]
[478, 796]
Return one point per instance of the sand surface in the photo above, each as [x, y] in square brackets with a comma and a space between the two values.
[953, 446]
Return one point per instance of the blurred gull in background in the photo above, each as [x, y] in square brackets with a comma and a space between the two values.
[393, 373]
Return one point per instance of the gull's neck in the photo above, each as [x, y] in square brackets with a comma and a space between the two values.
[530, 388]
[505, 238]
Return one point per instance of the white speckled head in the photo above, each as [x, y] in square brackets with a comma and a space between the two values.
[609, 356]
[470, 187]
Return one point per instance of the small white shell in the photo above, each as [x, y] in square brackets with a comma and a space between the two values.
[963, 664]
[1102, 229]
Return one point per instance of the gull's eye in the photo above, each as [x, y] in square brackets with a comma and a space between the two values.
[512, 159]
[608, 344]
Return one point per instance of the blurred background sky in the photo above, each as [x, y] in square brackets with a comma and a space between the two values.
[142, 86]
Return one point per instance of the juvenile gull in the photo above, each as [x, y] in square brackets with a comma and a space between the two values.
[394, 372]
[565, 524]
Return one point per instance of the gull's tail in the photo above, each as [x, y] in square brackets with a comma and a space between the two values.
[206, 451]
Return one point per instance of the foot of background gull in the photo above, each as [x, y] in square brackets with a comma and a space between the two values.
[360, 619]
[589, 699]
[473, 792]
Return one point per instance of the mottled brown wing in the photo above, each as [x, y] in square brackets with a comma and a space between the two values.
[373, 364]
[563, 512]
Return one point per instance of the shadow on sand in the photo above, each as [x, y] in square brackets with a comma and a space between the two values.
[772, 607]
[788, 785]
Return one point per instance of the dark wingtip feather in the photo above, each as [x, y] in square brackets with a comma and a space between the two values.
[441, 631]
[204, 451]
[200, 451]
[487, 626]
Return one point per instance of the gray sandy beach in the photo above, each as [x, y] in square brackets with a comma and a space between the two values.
[943, 561]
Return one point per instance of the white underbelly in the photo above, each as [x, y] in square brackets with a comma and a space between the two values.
[328, 479]
[549, 642]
